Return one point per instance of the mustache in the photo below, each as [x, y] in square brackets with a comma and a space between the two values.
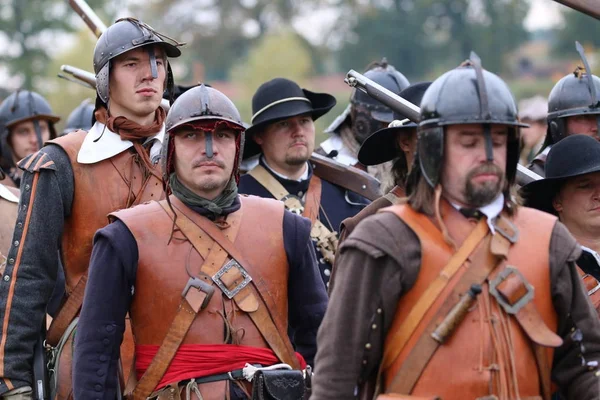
[295, 142]
[485, 169]
[198, 163]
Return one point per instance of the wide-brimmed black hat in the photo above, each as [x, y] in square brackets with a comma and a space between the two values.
[381, 146]
[573, 156]
[279, 99]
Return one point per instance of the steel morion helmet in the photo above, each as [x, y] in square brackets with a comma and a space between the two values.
[201, 103]
[124, 35]
[22, 106]
[368, 114]
[465, 95]
[575, 94]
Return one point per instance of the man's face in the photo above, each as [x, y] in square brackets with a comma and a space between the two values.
[207, 177]
[578, 203]
[23, 139]
[289, 142]
[134, 93]
[467, 177]
[583, 125]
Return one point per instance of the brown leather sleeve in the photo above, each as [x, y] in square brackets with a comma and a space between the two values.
[574, 311]
[362, 304]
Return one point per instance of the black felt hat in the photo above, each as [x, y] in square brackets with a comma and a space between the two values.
[381, 146]
[279, 99]
[573, 156]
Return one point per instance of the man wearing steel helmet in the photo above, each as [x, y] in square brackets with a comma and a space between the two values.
[363, 116]
[242, 266]
[459, 293]
[69, 187]
[573, 108]
[27, 122]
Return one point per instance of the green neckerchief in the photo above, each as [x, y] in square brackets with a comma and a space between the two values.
[225, 199]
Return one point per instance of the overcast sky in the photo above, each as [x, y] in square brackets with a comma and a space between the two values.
[543, 14]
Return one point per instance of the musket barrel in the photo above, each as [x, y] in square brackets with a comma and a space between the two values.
[383, 95]
[88, 15]
[412, 112]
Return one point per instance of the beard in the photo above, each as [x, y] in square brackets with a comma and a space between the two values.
[297, 157]
[478, 195]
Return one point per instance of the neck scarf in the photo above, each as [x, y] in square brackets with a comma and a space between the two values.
[130, 130]
[189, 198]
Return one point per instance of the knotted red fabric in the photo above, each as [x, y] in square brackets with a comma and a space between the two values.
[130, 130]
[199, 360]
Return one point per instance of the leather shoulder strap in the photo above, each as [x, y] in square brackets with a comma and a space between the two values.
[313, 199]
[396, 343]
[248, 299]
[267, 180]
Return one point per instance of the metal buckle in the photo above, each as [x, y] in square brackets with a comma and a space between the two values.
[511, 238]
[502, 276]
[201, 286]
[231, 264]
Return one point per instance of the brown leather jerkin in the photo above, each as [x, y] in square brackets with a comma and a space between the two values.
[195, 298]
[99, 189]
[464, 359]
[260, 239]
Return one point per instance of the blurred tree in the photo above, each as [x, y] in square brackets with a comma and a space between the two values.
[420, 37]
[33, 31]
[63, 95]
[576, 26]
[219, 32]
[282, 54]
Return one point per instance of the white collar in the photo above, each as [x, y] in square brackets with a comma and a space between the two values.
[6, 194]
[101, 143]
[592, 252]
[491, 210]
[302, 178]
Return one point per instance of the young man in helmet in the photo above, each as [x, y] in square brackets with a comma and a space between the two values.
[460, 293]
[283, 133]
[71, 184]
[573, 108]
[245, 265]
[27, 123]
[363, 116]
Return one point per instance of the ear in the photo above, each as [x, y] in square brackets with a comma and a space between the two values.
[407, 141]
[257, 137]
[404, 142]
[557, 204]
